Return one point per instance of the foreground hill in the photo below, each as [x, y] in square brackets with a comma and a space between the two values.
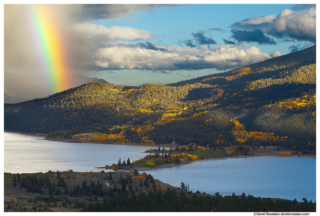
[70, 191]
[268, 103]
[24, 87]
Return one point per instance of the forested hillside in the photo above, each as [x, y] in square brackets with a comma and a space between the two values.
[268, 103]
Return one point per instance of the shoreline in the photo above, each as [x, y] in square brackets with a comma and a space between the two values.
[109, 143]
[149, 145]
[126, 169]
[89, 142]
[24, 133]
[89, 176]
[241, 156]
[137, 144]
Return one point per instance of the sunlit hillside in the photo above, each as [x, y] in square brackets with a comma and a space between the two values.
[267, 103]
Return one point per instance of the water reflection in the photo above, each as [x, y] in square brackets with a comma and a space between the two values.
[25, 154]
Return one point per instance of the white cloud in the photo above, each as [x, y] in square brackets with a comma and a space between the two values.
[288, 24]
[100, 47]
[258, 22]
[20, 46]
[300, 25]
[276, 54]
[259, 19]
[176, 58]
[110, 33]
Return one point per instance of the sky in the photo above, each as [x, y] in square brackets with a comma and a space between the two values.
[157, 44]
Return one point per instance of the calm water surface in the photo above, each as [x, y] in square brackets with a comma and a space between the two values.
[29, 154]
[274, 177]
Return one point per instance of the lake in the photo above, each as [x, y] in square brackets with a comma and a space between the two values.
[30, 154]
[275, 177]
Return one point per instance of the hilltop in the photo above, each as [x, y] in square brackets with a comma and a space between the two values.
[23, 87]
[268, 103]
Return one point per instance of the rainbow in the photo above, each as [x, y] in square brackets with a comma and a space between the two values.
[51, 46]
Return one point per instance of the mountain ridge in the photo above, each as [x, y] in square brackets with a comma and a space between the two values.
[207, 110]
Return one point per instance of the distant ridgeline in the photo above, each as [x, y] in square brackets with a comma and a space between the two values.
[267, 103]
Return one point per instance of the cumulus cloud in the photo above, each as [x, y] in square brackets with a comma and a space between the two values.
[81, 38]
[175, 58]
[276, 54]
[300, 26]
[252, 36]
[111, 48]
[287, 25]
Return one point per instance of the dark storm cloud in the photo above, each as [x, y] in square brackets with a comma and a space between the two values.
[228, 42]
[285, 37]
[276, 34]
[198, 39]
[299, 7]
[302, 37]
[201, 39]
[252, 36]
[293, 36]
[109, 11]
[150, 46]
